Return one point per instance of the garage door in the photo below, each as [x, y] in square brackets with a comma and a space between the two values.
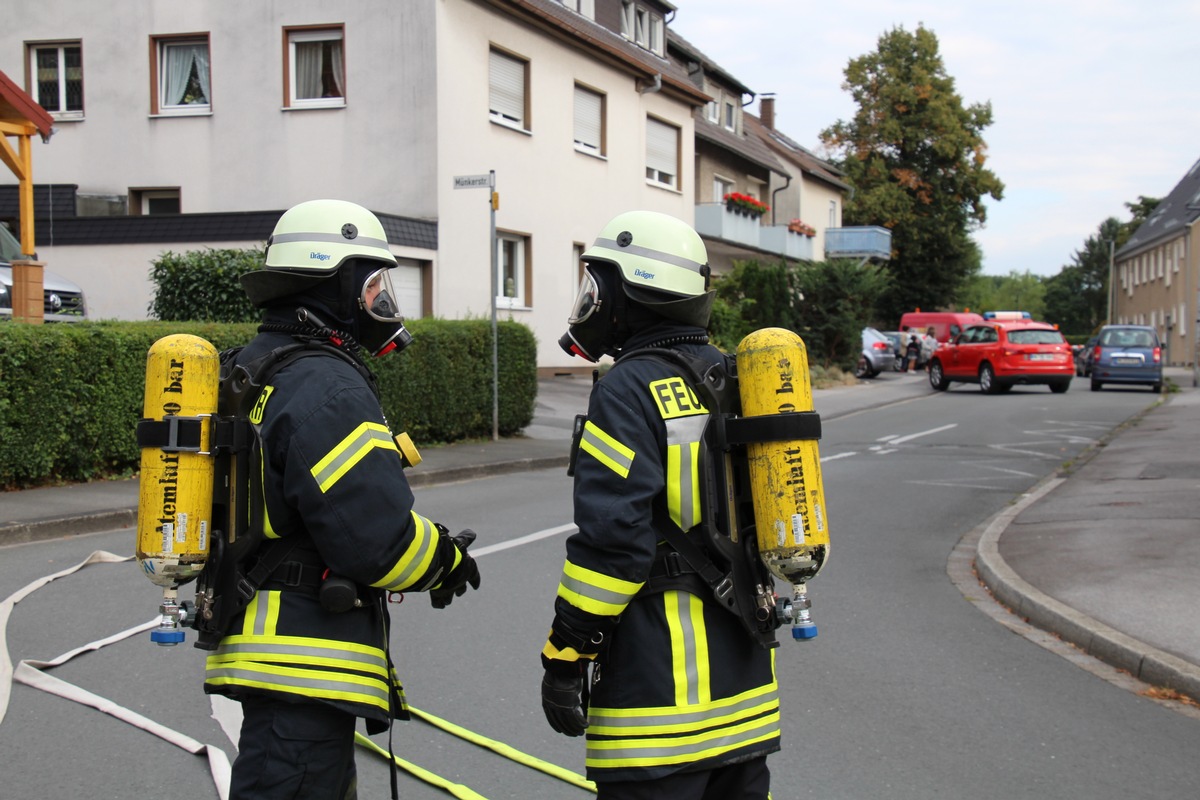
[406, 278]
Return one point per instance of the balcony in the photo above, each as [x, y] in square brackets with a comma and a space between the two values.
[861, 242]
[778, 239]
[717, 221]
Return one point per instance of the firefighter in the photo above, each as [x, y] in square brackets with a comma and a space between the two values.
[309, 654]
[681, 702]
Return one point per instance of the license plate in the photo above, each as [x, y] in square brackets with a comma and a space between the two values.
[1127, 361]
[1041, 356]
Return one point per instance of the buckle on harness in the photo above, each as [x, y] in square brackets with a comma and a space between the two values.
[723, 589]
[245, 588]
[671, 563]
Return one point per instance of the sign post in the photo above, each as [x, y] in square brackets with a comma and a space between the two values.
[489, 182]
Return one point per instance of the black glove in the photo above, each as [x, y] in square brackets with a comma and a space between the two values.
[562, 697]
[467, 572]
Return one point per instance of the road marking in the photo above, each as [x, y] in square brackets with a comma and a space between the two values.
[1010, 471]
[912, 436]
[526, 539]
[839, 455]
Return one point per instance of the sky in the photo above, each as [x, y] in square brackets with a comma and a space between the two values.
[1094, 103]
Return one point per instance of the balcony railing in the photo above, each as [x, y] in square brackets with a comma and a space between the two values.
[778, 239]
[718, 221]
[859, 242]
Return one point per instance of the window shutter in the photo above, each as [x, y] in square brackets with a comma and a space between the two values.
[506, 81]
[662, 145]
[587, 118]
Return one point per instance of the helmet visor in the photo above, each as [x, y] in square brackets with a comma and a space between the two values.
[587, 301]
[378, 297]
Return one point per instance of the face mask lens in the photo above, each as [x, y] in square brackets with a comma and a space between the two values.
[587, 301]
[378, 297]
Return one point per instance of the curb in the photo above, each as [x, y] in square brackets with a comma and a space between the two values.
[1146, 663]
[42, 529]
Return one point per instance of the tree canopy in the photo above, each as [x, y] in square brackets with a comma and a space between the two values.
[916, 158]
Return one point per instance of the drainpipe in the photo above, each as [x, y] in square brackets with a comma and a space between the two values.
[774, 204]
[654, 87]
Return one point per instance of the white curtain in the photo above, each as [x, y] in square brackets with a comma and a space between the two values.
[180, 58]
[308, 69]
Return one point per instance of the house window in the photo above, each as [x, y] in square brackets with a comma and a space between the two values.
[730, 116]
[642, 27]
[833, 220]
[711, 111]
[57, 71]
[513, 271]
[182, 69]
[589, 121]
[316, 68]
[662, 153]
[508, 82]
[585, 7]
[154, 201]
[721, 187]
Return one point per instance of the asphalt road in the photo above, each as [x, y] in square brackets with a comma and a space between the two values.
[909, 691]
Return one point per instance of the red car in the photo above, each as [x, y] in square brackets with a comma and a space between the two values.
[1000, 354]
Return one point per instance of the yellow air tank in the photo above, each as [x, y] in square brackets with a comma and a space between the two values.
[785, 476]
[176, 483]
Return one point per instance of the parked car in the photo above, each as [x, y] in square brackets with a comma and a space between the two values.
[877, 355]
[1128, 354]
[63, 300]
[999, 355]
[1083, 357]
[897, 339]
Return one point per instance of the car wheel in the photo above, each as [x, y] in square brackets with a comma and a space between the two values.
[1060, 387]
[1095, 385]
[937, 378]
[863, 368]
[987, 380]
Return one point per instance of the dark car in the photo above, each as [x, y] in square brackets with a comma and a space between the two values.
[1083, 357]
[1127, 354]
[999, 355]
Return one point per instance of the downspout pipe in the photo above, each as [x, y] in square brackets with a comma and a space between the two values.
[775, 204]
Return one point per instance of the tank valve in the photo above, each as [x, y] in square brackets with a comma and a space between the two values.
[169, 631]
[802, 625]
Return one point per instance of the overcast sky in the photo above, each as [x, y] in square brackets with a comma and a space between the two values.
[1094, 103]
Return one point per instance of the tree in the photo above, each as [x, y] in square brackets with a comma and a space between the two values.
[916, 159]
[1016, 291]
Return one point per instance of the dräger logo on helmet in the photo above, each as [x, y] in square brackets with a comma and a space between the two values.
[319, 256]
[641, 273]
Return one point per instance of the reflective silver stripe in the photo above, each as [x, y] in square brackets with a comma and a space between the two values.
[603, 447]
[646, 252]
[261, 606]
[659, 750]
[267, 651]
[348, 451]
[691, 672]
[627, 722]
[329, 238]
[371, 691]
[681, 434]
[422, 535]
[593, 592]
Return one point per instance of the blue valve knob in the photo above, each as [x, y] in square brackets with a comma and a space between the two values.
[166, 638]
[805, 630]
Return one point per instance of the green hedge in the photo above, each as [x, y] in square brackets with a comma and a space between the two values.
[71, 394]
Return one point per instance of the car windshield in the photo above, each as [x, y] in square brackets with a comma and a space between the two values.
[10, 248]
[1035, 336]
[1120, 338]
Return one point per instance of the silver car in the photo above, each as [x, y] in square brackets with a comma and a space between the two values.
[63, 301]
[877, 354]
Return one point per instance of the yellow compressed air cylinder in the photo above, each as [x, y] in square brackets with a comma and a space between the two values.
[176, 483]
[785, 476]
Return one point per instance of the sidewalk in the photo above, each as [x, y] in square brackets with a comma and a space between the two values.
[1107, 556]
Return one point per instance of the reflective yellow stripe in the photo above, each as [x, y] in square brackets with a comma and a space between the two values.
[416, 559]
[349, 451]
[566, 654]
[595, 592]
[306, 682]
[262, 614]
[301, 650]
[654, 721]
[689, 648]
[268, 528]
[605, 449]
[640, 752]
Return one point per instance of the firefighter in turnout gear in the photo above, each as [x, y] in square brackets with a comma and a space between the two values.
[681, 702]
[329, 499]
